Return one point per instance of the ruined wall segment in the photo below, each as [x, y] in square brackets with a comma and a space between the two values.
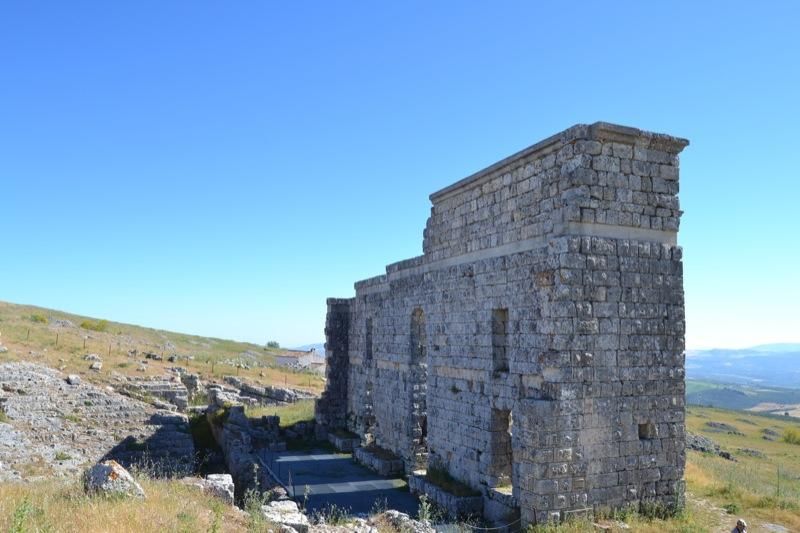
[331, 408]
[550, 296]
[583, 180]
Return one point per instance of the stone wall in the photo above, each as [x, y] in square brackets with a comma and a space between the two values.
[539, 341]
[330, 409]
[171, 390]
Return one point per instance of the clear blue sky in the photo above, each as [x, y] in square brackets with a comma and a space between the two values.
[222, 167]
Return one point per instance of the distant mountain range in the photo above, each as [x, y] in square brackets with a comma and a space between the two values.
[775, 365]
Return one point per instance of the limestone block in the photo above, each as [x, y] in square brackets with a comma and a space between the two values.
[111, 479]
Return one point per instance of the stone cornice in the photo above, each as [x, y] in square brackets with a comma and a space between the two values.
[600, 131]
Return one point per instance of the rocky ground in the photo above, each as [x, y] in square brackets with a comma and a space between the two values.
[703, 444]
[50, 426]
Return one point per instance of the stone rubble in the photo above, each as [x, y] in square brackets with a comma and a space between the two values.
[267, 394]
[700, 443]
[49, 417]
[169, 389]
[109, 478]
[221, 485]
[286, 513]
[218, 485]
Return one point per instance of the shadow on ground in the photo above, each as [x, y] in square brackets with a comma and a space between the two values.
[334, 479]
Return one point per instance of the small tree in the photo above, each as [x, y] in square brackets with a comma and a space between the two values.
[273, 344]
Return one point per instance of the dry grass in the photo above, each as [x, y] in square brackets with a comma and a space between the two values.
[697, 477]
[27, 332]
[60, 506]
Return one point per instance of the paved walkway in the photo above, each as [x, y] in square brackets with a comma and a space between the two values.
[334, 479]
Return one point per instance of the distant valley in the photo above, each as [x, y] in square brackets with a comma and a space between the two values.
[775, 365]
[763, 378]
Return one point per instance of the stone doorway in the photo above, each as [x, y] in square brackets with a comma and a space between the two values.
[502, 456]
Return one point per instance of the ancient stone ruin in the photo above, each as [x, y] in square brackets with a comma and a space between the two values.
[535, 352]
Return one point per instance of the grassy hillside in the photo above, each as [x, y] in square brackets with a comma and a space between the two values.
[764, 483]
[61, 340]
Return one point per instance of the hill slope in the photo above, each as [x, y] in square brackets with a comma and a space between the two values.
[761, 398]
[763, 484]
[61, 340]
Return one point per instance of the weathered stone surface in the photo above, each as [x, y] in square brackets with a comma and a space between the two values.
[456, 506]
[382, 465]
[700, 443]
[74, 379]
[344, 443]
[168, 389]
[267, 394]
[111, 479]
[221, 486]
[194, 386]
[49, 417]
[402, 522]
[539, 341]
[285, 512]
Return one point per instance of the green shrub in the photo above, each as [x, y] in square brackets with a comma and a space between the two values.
[791, 436]
[273, 344]
[62, 456]
[21, 514]
[100, 325]
[731, 508]
[39, 318]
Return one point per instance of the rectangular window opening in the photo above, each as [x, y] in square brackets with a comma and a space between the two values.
[368, 350]
[500, 340]
[647, 431]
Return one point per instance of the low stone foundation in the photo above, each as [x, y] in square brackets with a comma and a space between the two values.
[456, 506]
[267, 395]
[344, 444]
[384, 467]
[501, 509]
